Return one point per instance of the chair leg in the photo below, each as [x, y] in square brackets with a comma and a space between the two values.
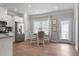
[43, 43]
[37, 43]
[48, 40]
[30, 42]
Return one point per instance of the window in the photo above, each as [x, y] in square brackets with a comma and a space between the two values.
[65, 29]
[41, 25]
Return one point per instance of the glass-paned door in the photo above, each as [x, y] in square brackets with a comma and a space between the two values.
[65, 30]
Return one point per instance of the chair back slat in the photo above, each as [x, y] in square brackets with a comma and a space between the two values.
[41, 35]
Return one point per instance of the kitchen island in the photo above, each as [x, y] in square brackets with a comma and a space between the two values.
[6, 45]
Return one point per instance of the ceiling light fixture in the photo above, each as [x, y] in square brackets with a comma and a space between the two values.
[29, 6]
[56, 8]
[15, 9]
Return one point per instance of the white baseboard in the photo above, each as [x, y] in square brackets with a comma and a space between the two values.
[62, 41]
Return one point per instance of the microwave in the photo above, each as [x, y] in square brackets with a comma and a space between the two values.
[3, 23]
[3, 29]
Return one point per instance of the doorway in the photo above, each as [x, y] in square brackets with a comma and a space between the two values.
[66, 30]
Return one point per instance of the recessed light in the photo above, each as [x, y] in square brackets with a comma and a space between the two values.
[15, 9]
[56, 8]
[29, 6]
[5, 12]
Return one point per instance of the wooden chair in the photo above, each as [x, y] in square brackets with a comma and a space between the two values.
[46, 38]
[40, 38]
[33, 38]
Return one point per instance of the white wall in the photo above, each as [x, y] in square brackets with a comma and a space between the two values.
[76, 25]
[26, 26]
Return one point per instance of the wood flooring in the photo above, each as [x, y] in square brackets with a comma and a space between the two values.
[50, 49]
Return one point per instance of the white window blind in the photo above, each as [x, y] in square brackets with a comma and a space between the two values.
[41, 25]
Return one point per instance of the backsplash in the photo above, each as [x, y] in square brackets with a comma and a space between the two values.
[4, 28]
[4, 17]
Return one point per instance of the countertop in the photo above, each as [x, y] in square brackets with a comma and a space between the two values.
[5, 35]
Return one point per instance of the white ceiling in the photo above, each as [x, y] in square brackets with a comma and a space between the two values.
[37, 8]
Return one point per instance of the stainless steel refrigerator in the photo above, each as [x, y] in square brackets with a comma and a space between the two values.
[19, 32]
